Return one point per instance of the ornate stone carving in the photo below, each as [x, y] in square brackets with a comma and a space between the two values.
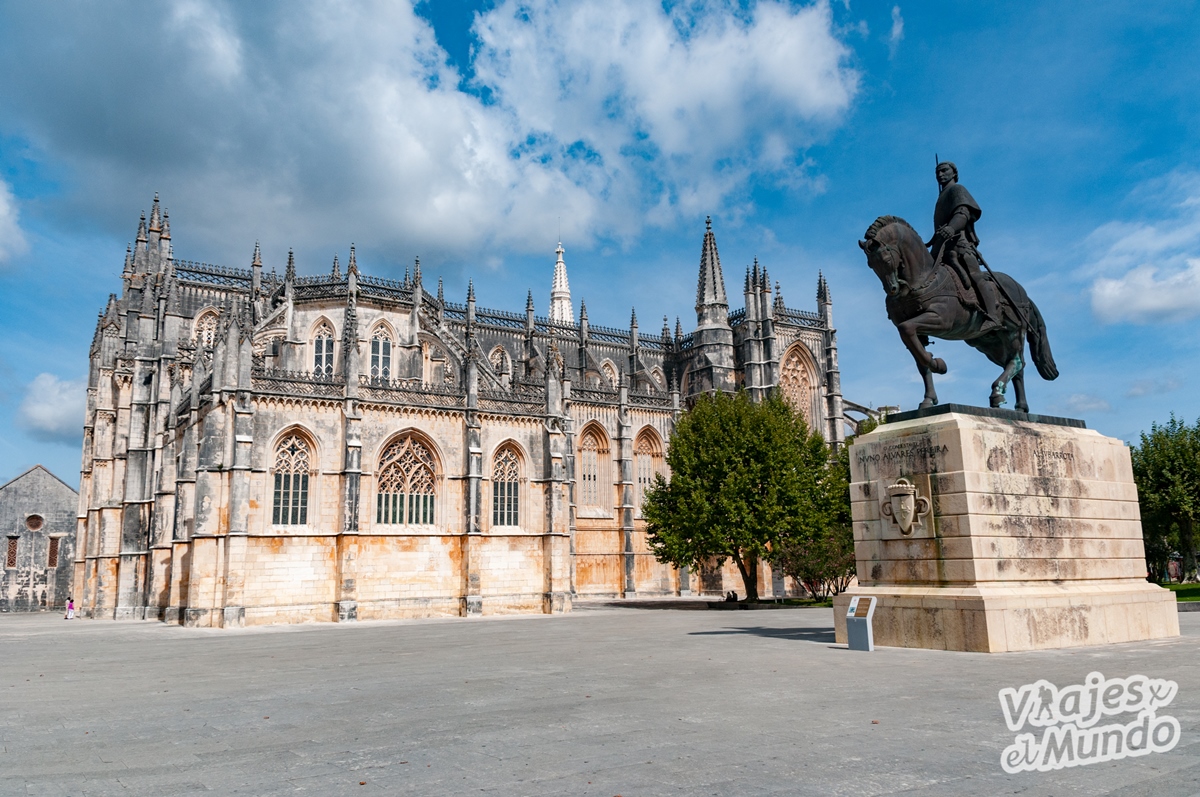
[904, 506]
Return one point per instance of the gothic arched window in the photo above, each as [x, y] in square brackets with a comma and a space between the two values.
[506, 479]
[323, 350]
[499, 360]
[206, 328]
[381, 354]
[291, 471]
[797, 382]
[406, 484]
[647, 457]
[593, 471]
[610, 373]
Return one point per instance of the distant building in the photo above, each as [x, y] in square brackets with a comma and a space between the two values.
[262, 449]
[37, 529]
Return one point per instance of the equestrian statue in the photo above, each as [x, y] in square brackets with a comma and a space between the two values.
[937, 289]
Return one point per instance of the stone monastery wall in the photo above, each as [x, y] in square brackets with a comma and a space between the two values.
[329, 448]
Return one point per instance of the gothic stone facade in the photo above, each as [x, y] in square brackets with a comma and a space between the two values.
[37, 515]
[341, 447]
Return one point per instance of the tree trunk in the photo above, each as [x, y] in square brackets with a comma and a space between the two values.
[1188, 553]
[748, 567]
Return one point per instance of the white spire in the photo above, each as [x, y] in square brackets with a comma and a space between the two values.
[560, 292]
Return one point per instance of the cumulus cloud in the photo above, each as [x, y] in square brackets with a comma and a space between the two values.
[897, 32]
[52, 410]
[306, 123]
[1148, 270]
[12, 240]
[1147, 293]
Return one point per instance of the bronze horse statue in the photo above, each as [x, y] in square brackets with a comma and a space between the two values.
[929, 299]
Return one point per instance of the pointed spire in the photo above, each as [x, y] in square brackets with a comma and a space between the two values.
[155, 216]
[336, 273]
[290, 274]
[129, 258]
[582, 310]
[822, 289]
[141, 236]
[678, 329]
[471, 308]
[257, 261]
[352, 266]
[712, 307]
[560, 291]
[765, 281]
[666, 332]
[778, 297]
[407, 277]
[441, 296]
[529, 303]
[166, 227]
[633, 319]
[417, 272]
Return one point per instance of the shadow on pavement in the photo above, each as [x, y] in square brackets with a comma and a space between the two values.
[823, 635]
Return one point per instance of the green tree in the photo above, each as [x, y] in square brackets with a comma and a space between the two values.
[820, 555]
[1166, 467]
[744, 475]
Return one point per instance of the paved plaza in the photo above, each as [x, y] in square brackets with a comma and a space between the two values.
[604, 701]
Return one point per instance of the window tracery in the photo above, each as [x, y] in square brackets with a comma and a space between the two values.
[291, 469]
[406, 484]
[206, 329]
[647, 464]
[593, 471]
[499, 360]
[797, 383]
[381, 354]
[323, 350]
[610, 373]
[506, 478]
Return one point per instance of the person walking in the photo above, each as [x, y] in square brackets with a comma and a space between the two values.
[70, 609]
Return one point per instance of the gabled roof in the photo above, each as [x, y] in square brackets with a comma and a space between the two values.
[45, 470]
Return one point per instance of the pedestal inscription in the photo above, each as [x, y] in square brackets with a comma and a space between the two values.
[1032, 538]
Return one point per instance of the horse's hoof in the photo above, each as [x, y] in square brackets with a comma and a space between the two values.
[997, 400]
[938, 366]
[926, 404]
[1023, 408]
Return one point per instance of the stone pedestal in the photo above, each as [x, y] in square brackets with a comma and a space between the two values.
[1030, 538]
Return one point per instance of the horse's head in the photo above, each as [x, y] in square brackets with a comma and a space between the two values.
[887, 243]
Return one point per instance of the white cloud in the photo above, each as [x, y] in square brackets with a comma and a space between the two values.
[1153, 387]
[1084, 402]
[1144, 294]
[1148, 270]
[52, 410]
[306, 123]
[12, 240]
[897, 33]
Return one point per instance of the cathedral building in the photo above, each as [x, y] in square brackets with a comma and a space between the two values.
[263, 449]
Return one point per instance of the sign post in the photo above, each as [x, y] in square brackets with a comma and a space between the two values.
[859, 633]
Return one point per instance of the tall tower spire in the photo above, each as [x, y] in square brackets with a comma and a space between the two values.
[560, 292]
[712, 307]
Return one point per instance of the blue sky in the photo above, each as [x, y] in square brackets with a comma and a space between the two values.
[471, 134]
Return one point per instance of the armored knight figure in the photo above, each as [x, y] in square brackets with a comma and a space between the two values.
[954, 241]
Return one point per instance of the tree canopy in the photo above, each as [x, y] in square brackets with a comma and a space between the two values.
[1166, 467]
[745, 477]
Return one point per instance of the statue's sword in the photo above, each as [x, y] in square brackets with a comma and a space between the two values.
[1004, 293]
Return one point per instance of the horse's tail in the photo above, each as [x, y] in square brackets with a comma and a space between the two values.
[1039, 345]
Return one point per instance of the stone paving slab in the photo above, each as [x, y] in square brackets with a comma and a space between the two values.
[603, 701]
